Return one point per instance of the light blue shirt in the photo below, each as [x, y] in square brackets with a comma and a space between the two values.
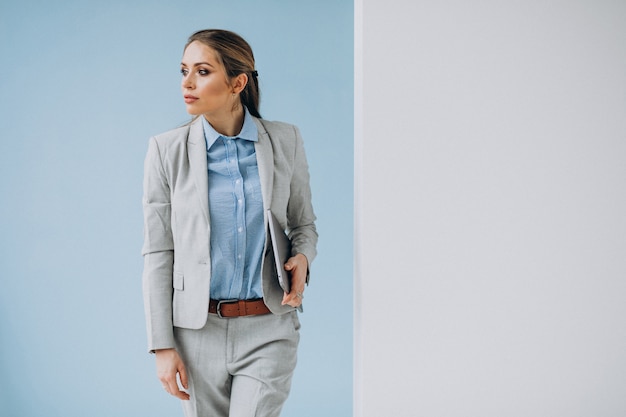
[236, 213]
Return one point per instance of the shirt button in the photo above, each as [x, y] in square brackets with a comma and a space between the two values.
[240, 201]
[237, 181]
[240, 229]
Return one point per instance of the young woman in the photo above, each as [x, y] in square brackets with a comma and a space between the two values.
[223, 331]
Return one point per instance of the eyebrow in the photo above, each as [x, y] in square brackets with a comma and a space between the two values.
[197, 64]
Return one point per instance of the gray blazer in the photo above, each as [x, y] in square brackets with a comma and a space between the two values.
[176, 249]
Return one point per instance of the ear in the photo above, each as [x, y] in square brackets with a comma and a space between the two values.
[239, 83]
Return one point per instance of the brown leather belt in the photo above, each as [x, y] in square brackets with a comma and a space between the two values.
[238, 308]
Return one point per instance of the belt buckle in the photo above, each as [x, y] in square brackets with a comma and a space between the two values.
[219, 306]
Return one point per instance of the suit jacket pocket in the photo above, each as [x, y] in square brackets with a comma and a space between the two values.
[179, 280]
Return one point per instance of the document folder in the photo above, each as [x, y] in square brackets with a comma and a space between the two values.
[281, 247]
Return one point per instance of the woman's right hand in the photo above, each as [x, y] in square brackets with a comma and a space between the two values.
[168, 364]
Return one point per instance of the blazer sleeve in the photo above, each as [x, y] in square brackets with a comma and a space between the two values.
[300, 215]
[157, 251]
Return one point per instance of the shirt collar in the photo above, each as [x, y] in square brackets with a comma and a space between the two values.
[249, 130]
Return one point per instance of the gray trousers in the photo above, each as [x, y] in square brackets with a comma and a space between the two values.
[239, 367]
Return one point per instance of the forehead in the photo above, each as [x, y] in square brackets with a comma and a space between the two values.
[197, 52]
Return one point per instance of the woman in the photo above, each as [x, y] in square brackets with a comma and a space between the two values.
[217, 319]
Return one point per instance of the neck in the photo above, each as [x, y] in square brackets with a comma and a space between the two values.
[228, 123]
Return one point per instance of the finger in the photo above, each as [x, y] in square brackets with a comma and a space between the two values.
[174, 390]
[290, 297]
[182, 372]
[291, 264]
[169, 384]
[294, 299]
[287, 299]
[180, 381]
[181, 395]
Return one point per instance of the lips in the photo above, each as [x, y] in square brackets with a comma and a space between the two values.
[190, 99]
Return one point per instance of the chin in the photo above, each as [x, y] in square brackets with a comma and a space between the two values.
[193, 112]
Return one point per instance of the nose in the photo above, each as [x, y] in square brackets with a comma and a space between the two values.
[187, 82]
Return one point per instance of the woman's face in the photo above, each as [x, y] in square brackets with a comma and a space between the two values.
[205, 86]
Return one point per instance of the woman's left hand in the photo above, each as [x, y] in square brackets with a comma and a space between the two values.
[298, 267]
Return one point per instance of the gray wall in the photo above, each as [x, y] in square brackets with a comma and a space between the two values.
[490, 169]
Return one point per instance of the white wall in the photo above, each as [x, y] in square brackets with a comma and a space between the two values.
[490, 191]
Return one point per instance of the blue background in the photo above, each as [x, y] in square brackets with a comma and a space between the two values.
[83, 85]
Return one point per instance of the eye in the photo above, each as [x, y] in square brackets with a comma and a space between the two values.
[184, 71]
[203, 72]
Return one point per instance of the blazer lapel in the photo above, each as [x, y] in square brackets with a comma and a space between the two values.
[196, 152]
[265, 162]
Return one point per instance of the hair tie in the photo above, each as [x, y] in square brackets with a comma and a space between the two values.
[255, 73]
